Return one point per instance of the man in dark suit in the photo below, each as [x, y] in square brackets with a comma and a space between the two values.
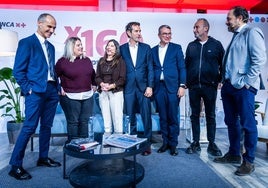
[34, 72]
[139, 80]
[242, 63]
[170, 78]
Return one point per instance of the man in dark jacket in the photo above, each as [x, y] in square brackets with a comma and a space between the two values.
[203, 64]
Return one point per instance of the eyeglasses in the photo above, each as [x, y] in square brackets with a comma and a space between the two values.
[166, 34]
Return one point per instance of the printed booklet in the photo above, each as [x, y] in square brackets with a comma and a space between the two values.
[81, 144]
[123, 140]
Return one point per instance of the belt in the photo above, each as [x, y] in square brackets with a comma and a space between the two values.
[51, 82]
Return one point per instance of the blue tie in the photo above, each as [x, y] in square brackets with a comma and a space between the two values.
[50, 61]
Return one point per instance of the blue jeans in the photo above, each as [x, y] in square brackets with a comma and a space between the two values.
[77, 113]
[238, 105]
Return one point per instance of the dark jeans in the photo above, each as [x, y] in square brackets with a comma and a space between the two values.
[77, 113]
[238, 105]
[209, 95]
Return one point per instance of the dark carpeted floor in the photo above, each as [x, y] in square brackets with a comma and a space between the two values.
[161, 170]
[182, 171]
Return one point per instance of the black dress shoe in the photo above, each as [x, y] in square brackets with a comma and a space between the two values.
[19, 173]
[48, 163]
[213, 149]
[194, 147]
[163, 148]
[173, 151]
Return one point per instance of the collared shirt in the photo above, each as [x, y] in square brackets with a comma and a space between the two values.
[162, 53]
[240, 28]
[42, 42]
[227, 66]
[133, 53]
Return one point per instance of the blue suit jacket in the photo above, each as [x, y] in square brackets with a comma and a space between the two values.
[247, 54]
[31, 68]
[173, 68]
[140, 76]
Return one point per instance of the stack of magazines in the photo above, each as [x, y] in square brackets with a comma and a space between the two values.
[123, 140]
[81, 144]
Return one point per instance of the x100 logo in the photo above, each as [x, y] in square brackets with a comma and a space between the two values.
[99, 39]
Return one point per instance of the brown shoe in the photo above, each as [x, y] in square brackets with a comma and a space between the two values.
[246, 168]
[227, 158]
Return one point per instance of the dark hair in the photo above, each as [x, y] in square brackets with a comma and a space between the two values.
[117, 55]
[240, 11]
[163, 26]
[129, 27]
[130, 24]
[206, 23]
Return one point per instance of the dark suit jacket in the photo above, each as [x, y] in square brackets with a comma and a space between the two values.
[142, 74]
[31, 68]
[173, 68]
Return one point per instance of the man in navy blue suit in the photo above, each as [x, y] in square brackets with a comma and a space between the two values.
[169, 78]
[139, 80]
[34, 72]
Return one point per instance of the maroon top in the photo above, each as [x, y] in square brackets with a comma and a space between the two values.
[77, 76]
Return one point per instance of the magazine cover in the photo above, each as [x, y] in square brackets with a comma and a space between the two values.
[123, 140]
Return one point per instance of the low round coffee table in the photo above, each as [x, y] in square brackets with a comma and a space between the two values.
[106, 167]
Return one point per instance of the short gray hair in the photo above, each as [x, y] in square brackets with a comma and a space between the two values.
[42, 17]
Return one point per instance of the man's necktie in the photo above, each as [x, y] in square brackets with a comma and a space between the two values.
[50, 61]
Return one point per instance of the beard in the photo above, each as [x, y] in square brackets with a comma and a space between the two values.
[197, 36]
[231, 28]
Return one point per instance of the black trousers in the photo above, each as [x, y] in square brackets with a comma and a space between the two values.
[77, 113]
[209, 96]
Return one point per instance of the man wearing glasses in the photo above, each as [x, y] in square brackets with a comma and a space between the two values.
[169, 78]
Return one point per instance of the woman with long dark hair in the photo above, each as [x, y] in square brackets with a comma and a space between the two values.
[110, 77]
